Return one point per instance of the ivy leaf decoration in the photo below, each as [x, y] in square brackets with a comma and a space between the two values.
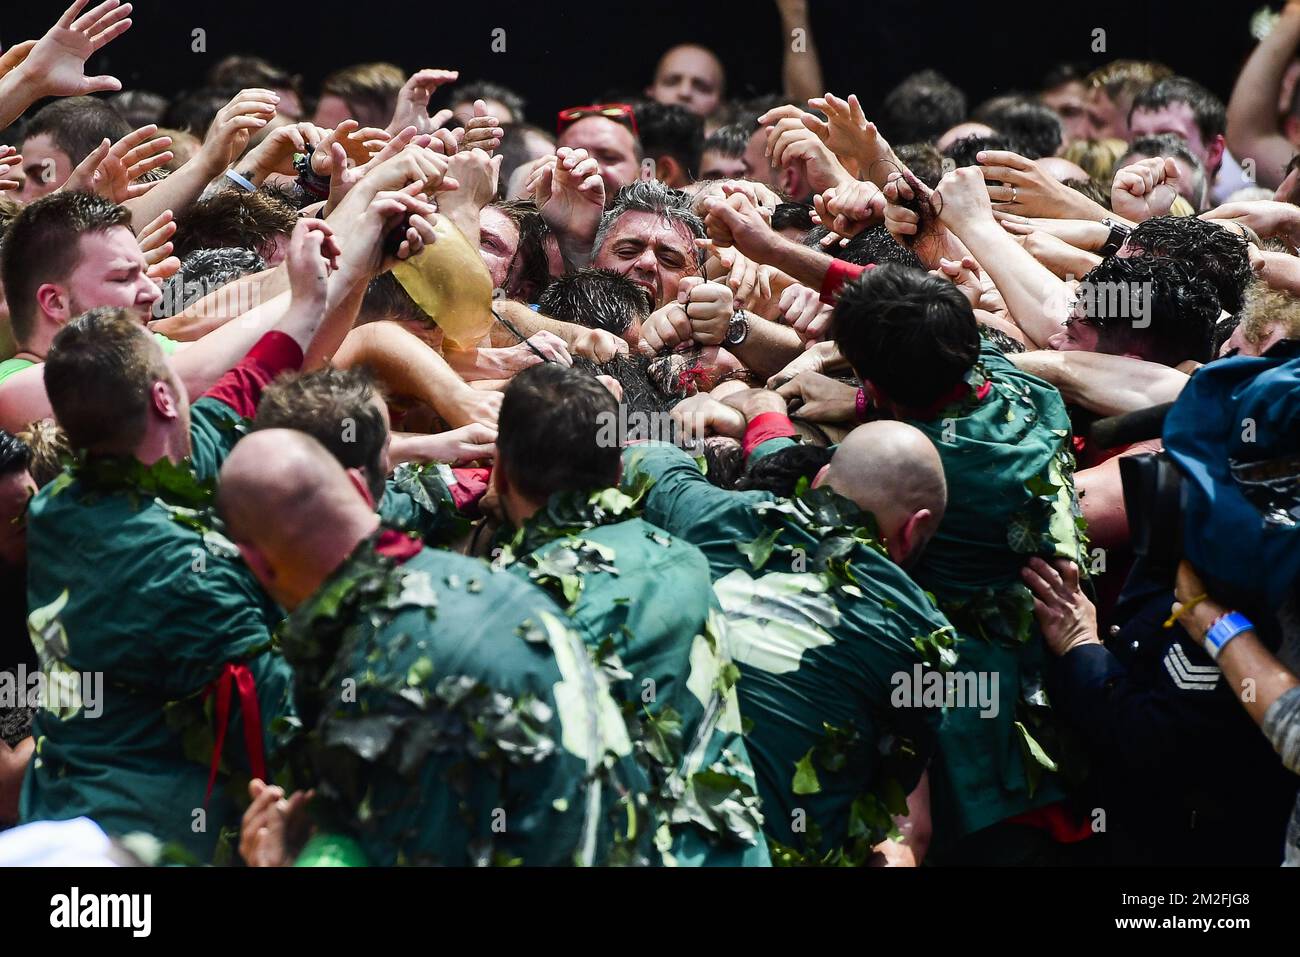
[760, 549]
[805, 776]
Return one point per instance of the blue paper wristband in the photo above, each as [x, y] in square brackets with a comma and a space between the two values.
[240, 181]
[1228, 627]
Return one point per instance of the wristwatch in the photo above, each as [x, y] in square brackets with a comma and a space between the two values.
[737, 329]
[1118, 233]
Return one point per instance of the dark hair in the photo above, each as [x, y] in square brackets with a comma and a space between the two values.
[43, 245]
[15, 454]
[639, 393]
[924, 160]
[1063, 73]
[369, 89]
[78, 125]
[921, 108]
[337, 408]
[233, 218]
[487, 90]
[140, 107]
[1208, 250]
[792, 216]
[530, 272]
[1032, 124]
[780, 472]
[651, 196]
[731, 141]
[241, 72]
[963, 151]
[202, 273]
[909, 334]
[98, 375]
[1178, 307]
[874, 245]
[1208, 110]
[386, 298]
[597, 299]
[551, 432]
[193, 111]
[671, 130]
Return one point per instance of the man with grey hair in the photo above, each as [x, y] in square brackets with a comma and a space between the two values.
[648, 234]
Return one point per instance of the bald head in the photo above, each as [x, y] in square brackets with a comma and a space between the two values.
[691, 76]
[292, 509]
[1062, 170]
[893, 471]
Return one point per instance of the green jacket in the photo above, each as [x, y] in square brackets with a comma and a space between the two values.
[821, 624]
[418, 499]
[127, 580]
[642, 601]
[450, 717]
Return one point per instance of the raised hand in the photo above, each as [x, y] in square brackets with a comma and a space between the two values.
[1025, 189]
[1145, 189]
[1065, 616]
[699, 416]
[789, 141]
[569, 191]
[848, 133]
[820, 398]
[343, 177]
[313, 255]
[55, 65]
[849, 208]
[155, 242]
[709, 307]
[228, 136]
[598, 345]
[112, 169]
[413, 102]
[805, 312]
[735, 221]
[477, 174]
[962, 199]
[482, 131]
[275, 153]
[11, 167]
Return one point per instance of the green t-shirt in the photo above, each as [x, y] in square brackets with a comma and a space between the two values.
[821, 624]
[15, 365]
[126, 587]
[642, 601]
[451, 717]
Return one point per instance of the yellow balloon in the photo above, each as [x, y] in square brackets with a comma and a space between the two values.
[449, 281]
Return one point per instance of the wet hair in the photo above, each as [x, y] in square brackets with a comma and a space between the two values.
[874, 245]
[724, 458]
[912, 335]
[386, 298]
[549, 432]
[202, 273]
[780, 472]
[1032, 124]
[792, 216]
[651, 196]
[322, 404]
[15, 454]
[77, 125]
[671, 130]
[1208, 110]
[530, 272]
[639, 393]
[924, 160]
[963, 151]
[487, 90]
[1178, 309]
[597, 299]
[42, 245]
[234, 218]
[1210, 251]
[921, 108]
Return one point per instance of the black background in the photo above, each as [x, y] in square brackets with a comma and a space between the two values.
[562, 53]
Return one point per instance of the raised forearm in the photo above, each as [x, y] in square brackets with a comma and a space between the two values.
[1035, 298]
[801, 68]
[1252, 111]
[406, 365]
[528, 322]
[221, 305]
[177, 192]
[768, 348]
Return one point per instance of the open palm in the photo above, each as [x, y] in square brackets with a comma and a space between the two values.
[58, 60]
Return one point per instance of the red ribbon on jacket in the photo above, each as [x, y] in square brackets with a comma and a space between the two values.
[237, 676]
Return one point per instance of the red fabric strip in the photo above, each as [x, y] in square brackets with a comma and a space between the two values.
[1057, 820]
[471, 485]
[241, 387]
[769, 425]
[840, 273]
[397, 546]
[236, 676]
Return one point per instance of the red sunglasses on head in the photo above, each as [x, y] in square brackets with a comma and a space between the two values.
[618, 112]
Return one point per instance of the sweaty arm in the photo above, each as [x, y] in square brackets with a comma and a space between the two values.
[1104, 384]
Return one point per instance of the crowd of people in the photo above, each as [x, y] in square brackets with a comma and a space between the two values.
[683, 480]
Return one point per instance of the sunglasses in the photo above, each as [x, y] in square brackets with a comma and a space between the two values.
[618, 112]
